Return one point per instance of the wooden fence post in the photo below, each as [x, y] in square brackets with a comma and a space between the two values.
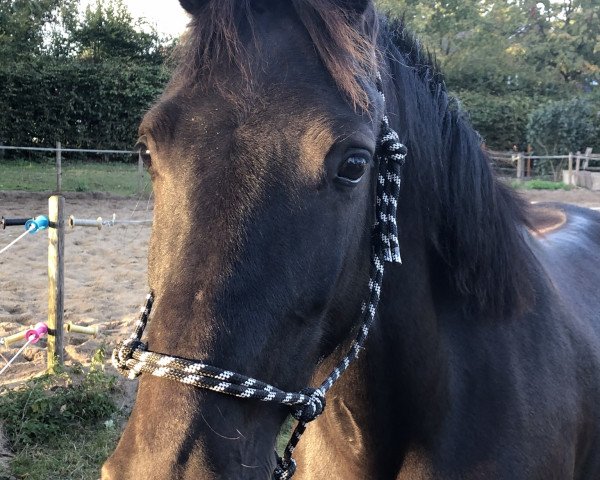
[520, 165]
[56, 277]
[570, 168]
[586, 160]
[58, 167]
[140, 172]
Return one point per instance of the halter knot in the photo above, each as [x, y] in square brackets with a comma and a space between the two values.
[123, 353]
[313, 408]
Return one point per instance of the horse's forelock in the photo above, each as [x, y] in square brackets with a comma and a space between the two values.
[344, 39]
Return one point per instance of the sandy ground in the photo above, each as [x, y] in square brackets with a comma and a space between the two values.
[105, 276]
[105, 273]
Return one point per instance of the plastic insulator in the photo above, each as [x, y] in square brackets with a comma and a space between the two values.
[40, 222]
[72, 328]
[12, 222]
[34, 334]
[14, 338]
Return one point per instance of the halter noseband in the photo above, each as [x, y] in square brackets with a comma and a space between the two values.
[131, 357]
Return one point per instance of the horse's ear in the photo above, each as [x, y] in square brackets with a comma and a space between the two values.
[355, 6]
[192, 6]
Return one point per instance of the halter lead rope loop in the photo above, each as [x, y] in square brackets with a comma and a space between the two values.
[131, 357]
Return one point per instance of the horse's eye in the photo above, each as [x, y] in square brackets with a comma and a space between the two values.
[353, 168]
[144, 152]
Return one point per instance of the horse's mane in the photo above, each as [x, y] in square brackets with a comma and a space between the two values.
[346, 48]
[476, 223]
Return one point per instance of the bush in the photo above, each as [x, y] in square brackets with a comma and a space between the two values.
[565, 126]
[500, 120]
[81, 103]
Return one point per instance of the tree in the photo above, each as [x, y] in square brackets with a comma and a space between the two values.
[24, 23]
[109, 31]
[565, 126]
[565, 36]
[85, 81]
[546, 47]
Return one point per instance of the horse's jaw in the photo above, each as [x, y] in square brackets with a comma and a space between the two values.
[178, 432]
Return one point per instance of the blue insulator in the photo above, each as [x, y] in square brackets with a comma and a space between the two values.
[40, 222]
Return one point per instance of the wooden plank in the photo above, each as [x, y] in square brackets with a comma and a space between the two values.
[56, 277]
[58, 167]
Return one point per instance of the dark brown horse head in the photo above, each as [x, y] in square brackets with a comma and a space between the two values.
[261, 156]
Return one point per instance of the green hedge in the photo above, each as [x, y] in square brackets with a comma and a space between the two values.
[565, 125]
[80, 103]
[500, 119]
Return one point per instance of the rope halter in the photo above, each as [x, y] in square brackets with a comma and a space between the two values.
[131, 357]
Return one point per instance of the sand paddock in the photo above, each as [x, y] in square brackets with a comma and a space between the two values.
[105, 272]
[105, 276]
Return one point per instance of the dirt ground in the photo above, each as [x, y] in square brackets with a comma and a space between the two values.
[105, 272]
[105, 276]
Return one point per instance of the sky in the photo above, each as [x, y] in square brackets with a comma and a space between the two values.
[166, 15]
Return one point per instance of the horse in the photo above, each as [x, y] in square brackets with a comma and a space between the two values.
[483, 359]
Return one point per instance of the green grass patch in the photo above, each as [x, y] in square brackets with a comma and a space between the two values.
[61, 426]
[77, 176]
[540, 185]
[71, 456]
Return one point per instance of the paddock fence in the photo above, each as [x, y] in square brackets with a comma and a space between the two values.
[580, 169]
[55, 222]
[72, 169]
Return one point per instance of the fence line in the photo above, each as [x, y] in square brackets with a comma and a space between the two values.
[522, 164]
[59, 150]
[56, 224]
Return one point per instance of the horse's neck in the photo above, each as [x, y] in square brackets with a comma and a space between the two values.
[394, 394]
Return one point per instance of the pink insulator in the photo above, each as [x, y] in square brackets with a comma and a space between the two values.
[34, 334]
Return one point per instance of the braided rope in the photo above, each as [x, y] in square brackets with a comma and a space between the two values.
[132, 358]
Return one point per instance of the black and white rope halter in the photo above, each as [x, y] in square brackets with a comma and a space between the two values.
[131, 357]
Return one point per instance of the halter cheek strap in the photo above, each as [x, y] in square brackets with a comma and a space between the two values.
[132, 357]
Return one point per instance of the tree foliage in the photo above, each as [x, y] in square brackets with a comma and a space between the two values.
[82, 79]
[500, 119]
[24, 24]
[504, 56]
[565, 126]
[109, 31]
[504, 60]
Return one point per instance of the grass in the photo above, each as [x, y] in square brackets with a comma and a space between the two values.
[65, 426]
[540, 185]
[71, 456]
[77, 176]
[61, 426]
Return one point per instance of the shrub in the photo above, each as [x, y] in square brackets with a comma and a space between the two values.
[500, 119]
[565, 126]
[81, 103]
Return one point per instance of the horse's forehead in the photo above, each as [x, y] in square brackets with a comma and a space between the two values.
[298, 112]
